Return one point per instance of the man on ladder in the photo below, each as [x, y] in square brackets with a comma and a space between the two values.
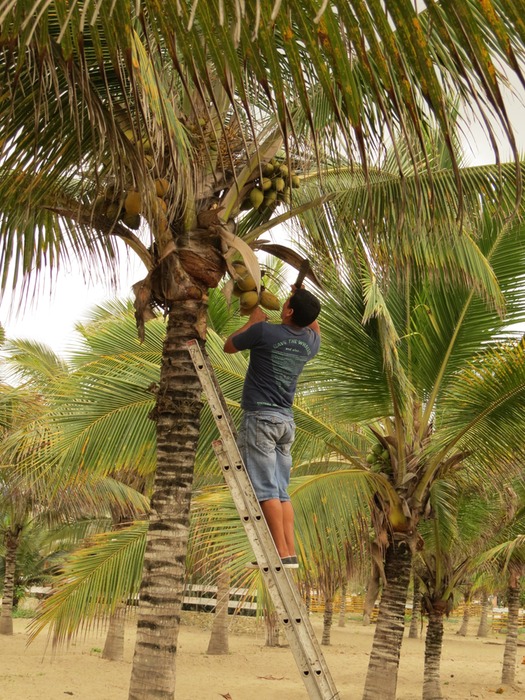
[278, 354]
[284, 594]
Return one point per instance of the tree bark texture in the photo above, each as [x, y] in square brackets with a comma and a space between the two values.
[178, 419]
[342, 606]
[413, 631]
[381, 678]
[218, 643]
[328, 617]
[483, 628]
[433, 646]
[308, 599]
[114, 644]
[372, 591]
[463, 630]
[6, 616]
[508, 673]
[271, 620]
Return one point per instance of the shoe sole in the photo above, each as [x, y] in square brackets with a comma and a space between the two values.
[253, 565]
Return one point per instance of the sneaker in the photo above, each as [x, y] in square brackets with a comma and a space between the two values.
[290, 562]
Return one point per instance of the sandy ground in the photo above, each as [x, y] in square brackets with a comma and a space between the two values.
[471, 667]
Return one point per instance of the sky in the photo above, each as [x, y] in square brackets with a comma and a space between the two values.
[50, 317]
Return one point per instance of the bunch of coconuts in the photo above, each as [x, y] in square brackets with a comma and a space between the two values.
[272, 188]
[245, 288]
[127, 206]
[379, 458]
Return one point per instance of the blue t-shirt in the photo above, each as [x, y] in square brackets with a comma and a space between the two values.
[278, 354]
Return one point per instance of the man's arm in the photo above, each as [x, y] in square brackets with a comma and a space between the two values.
[315, 327]
[256, 316]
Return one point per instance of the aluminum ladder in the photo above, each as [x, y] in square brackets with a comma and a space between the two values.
[283, 591]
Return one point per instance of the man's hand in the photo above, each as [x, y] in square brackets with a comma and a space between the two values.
[257, 315]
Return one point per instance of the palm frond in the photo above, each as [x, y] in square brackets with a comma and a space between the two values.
[487, 398]
[99, 577]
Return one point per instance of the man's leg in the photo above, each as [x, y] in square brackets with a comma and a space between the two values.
[288, 517]
[274, 513]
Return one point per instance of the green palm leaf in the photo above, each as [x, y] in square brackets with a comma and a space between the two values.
[99, 577]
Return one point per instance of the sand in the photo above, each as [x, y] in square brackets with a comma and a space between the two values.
[471, 667]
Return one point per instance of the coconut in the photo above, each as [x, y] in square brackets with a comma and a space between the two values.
[269, 301]
[162, 205]
[256, 197]
[161, 187]
[246, 283]
[248, 300]
[270, 198]
[279, 184]
[133, 203]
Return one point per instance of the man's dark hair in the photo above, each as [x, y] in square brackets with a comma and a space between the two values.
[306, 307]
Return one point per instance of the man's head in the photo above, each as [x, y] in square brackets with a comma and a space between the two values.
[305, 307]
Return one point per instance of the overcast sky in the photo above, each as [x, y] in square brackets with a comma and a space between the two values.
[51, 318]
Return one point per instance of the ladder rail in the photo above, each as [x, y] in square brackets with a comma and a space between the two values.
[284, 593]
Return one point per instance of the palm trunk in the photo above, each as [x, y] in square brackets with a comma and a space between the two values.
[328, 617]
[218, 643]
[463, 630]
[177, 414]
[413, 631]
[6, 616]
[483, 628]
[508, 673]
[433, 646]
[372, 592]
[271, 620]
[114, 645]
[308, 599]
[381, 678]
[342, 606]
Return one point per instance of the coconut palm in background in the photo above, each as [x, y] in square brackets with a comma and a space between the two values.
[66, 511]
[506, 560]
[423, 366]
[456, 536]
[171, 115]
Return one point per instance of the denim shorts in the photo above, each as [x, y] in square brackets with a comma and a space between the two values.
[265, 439]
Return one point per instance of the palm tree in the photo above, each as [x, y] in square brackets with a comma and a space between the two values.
[454, 537]
[413, 631]
[483, 627]
[26, 505]
[422, 363]
[152, 114]
[506, 558]
[516, 571]
[19, 503]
